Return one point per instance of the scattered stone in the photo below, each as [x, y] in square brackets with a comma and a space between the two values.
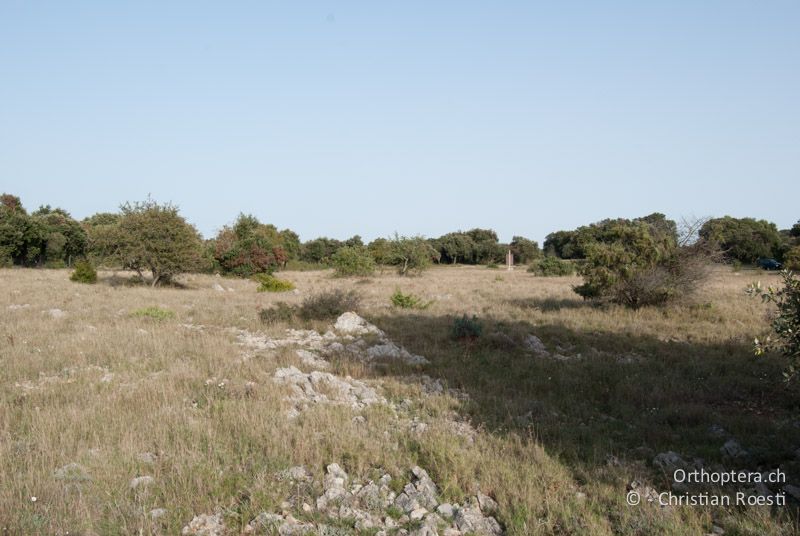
[205, 525]
[445, 510]
[156, 513]
[535, 345]
[390, 351]
[218, 287]
[56, 313]
[417, 514]
[470, 520]
[352, 324]
[141, 482]
[312, 360]
[297, 473]
[486, 504]
[17, 307]
[324, 388]
[72, 472]
[733, 449]
[669, 461]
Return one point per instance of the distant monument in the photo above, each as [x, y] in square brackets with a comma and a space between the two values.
[509, 261]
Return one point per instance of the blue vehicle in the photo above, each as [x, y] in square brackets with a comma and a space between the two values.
[769, 264]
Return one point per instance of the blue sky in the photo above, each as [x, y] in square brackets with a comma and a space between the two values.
[337, 118]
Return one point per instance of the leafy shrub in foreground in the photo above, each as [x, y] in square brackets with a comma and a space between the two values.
[353, 261]
[84, 273]
[785, 322]
[552, 267]
[466, 328]
[270, 283]
[408, 301]
[155, 313]
[328, 305]
[280, 312]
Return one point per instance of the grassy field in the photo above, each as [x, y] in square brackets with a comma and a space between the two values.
[556, 441]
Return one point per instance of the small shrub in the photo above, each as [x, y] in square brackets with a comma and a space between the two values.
[552, 267]
[492, 266]
[408, 301]
[84, 273]
[270, 283]
[154, 313]
[280, 312]
[785, 321]
[328, 305]
[353, 261]
[791, 260]
[466, 328]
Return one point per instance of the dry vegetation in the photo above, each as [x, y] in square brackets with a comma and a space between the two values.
[557, 442]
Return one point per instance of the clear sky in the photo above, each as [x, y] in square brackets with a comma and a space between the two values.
[337, 118]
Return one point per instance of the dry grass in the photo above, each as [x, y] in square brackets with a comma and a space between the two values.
[100, 386]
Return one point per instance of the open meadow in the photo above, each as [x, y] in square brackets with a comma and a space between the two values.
[127, 409]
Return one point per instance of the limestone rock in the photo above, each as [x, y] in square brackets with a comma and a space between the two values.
[205, 525]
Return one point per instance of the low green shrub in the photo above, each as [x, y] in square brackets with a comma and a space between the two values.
[466, 328]
[791, 260]
[328, 305]
[280, 312]
[552, 267]
[270, 283]
[155, 313]
[408, 301]
[84, 273]
[785, 337]
[492, 266]
[353, 261]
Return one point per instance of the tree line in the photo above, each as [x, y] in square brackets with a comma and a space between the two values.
[149, 237]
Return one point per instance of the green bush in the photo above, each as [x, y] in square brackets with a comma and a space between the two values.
[251, 247]
[328, 305]
[280, 312]
[466, 328]
[552, 267]
[791, 260]
[270, 283]
[408, 301]
[154, 313]
[411, 255]
[785, 322]
[353, 261]
[84, 273]
[492, 266]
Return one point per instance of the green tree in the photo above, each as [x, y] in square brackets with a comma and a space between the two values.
[65, 238]
[157, 238]
[455, 247]
[743, 239]
[320, 250]
[636, 263]
[563, 244]
[353, 261]
[250, 247]
[103, 238]
[381, 250]
[524, 250]
[411, 255]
